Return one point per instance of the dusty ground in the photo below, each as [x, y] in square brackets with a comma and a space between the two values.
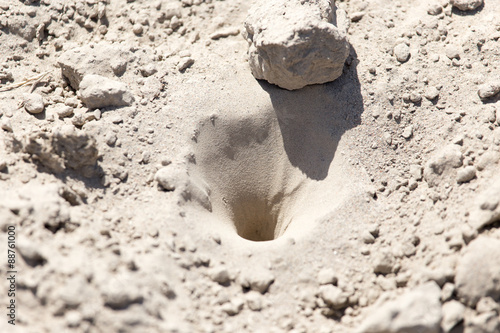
[382, 185]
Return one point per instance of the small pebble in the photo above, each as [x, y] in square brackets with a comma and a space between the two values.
[374, 229]
[220, 275]
[408, 132]
[111, 139]
[33, 103]
[367, 237]
[137, 29]
[452, 52]
[254, 302]
[357, 16]
[383, 263]
[185, 63]
[453, 313]
[333, 296]
[434, 9]
[431, 93]
[402, 52]
[117, 120]
[488, 90]
[466, 174]
[73, 102]
[466, 5]
[415, 98]
[257, 279]
[148, 70]
[64, 111]
[6, 125]
[327, 276]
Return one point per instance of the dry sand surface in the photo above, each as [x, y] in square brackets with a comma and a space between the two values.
[150, 183]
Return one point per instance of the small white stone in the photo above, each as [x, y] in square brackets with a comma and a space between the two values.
[220, 275]
[327, 276]
[453, 313]
[452, 52]
[488, 89]
[169, 178]
[402, 52]
[185, 63]
[233, 307]
[434, 9]
[383, 262]
[33, 103]
[333, 296]
[466, 5]
[254, 301]
[257, 279]
[467, 174]
[408, 132]
[476, 271]
[431, 93]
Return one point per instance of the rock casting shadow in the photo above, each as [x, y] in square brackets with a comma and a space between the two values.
[313, 119]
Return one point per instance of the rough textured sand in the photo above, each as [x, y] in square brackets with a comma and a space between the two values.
[154, 185]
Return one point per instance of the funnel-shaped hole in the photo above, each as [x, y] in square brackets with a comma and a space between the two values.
[244, 164]
[254, 219]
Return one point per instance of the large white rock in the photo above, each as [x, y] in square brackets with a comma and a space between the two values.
[294, 43]
[418, 311]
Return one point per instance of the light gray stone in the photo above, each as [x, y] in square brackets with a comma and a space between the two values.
[488, 158]
[483, 323]
[257, 279]
[417, 311]
[33, 103]
[103, 59]
[383, 262]
[327, 276]
[486, 209]
[233, 307]
[220, 275]
[488, 89]
[296, 43]
[478, 271]
[170, 177]
[119, 295]
[98, 91]
[254, 301]
[466, 5]
[31, 253]
[431, 93]
[453, 313]
[441, 163]
[452, 52]
[333, 296]
[402, 52]
[466, 174]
